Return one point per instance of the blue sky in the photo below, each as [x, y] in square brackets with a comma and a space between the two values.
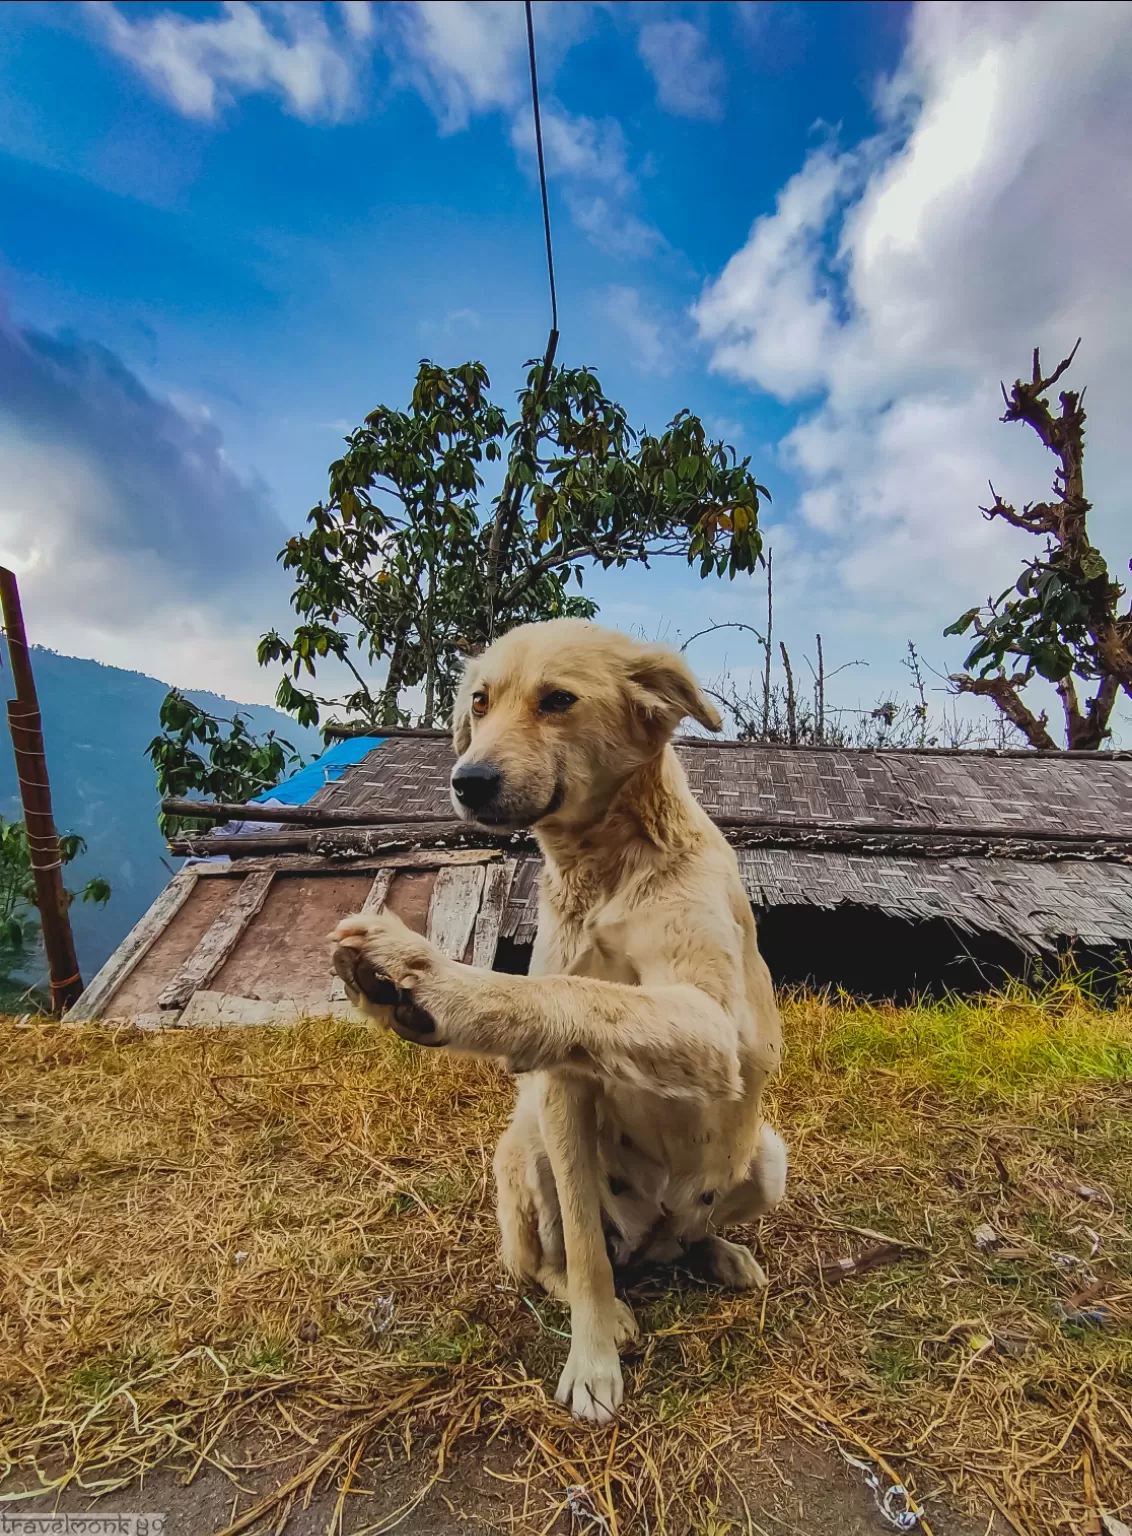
[227, 232]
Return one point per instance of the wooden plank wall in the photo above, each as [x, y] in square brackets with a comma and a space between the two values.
[256, 950]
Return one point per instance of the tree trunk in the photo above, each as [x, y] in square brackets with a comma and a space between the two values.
[791, 711]
[394, 678]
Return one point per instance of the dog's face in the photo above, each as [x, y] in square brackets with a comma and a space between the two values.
[553, 718]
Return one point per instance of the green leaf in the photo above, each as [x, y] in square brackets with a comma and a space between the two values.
[963, 623]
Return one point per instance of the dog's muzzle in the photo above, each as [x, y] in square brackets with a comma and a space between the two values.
[476, 786]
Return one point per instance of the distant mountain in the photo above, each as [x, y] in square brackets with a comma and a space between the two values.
[97, 723]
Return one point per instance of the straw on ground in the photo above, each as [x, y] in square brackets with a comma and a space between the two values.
[232, 1243]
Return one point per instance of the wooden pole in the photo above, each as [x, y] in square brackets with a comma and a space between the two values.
[426, 824]
[302, 815]
[35, 796]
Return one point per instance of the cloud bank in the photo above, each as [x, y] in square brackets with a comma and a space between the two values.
[899, 279]
[132, 537]
[464, 58]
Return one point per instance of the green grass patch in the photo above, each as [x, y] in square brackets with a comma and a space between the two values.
[1004, 1041]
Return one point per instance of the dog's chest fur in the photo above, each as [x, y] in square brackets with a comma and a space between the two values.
[666, 1163]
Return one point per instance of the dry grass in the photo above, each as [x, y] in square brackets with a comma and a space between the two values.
[275, 1238]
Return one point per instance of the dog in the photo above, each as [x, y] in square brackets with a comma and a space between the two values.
[647, 1029]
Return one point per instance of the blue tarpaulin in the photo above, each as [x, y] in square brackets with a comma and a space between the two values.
[327, 769]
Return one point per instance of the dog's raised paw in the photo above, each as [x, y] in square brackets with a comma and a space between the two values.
[361, 978]
[365, 984]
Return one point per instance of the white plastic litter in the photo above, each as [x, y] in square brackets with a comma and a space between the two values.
[381, 1315]
[583, 1513]
[894, 1502]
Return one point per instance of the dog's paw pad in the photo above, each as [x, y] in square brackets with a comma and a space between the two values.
[414, 1023]
[360, 975]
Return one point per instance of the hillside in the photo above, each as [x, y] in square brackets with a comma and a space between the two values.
[97, 722]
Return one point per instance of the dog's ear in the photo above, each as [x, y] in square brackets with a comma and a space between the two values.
[462, 712]
[664, 691]
[461, 729]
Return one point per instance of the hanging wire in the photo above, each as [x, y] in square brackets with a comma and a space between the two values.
[542, 179]
[512, 493]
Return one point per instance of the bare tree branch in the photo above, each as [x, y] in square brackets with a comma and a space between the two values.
[713, 627]
[1004, 692]
[791, 707]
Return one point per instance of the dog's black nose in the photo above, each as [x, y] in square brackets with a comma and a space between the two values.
[476, 784]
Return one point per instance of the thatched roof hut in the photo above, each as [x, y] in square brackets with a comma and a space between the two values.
[883, 871]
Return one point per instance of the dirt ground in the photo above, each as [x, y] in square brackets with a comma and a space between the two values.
[796, 1489]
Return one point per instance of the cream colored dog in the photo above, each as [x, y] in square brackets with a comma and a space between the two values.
[647, 1028]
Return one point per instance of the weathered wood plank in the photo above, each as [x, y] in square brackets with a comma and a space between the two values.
[374, 902]
[218, 943]
[454, 907]
[210, 1009]
[378, 891]
[133, 948]
[311, 864]
[493, 904]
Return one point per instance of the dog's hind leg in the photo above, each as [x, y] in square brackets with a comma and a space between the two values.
[515, 1208]
[530, 1219]
[530, 1222]
[728, 1264]
[731, 1264]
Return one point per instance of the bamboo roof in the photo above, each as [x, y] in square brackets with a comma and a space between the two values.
[945, 851]
[1034, 848]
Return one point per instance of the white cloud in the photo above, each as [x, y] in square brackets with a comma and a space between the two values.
[897, 281]
[651, 343]
[358, 17]
[466, 58]
[590, 158]
[287, 48]
[463, 57]
[771, 314]
[612, 228]
[580, 148]
[689, 81]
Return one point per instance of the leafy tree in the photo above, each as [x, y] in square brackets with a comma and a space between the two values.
[1060, 620]
[401, 564]
[19, 924]
[194, 753]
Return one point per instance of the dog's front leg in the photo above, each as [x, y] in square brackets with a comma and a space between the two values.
[673, 1040]
[590, 1384]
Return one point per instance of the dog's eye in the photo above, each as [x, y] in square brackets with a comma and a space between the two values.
[479, 703]
[556, 703]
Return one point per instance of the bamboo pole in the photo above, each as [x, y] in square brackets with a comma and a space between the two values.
[35, 796]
